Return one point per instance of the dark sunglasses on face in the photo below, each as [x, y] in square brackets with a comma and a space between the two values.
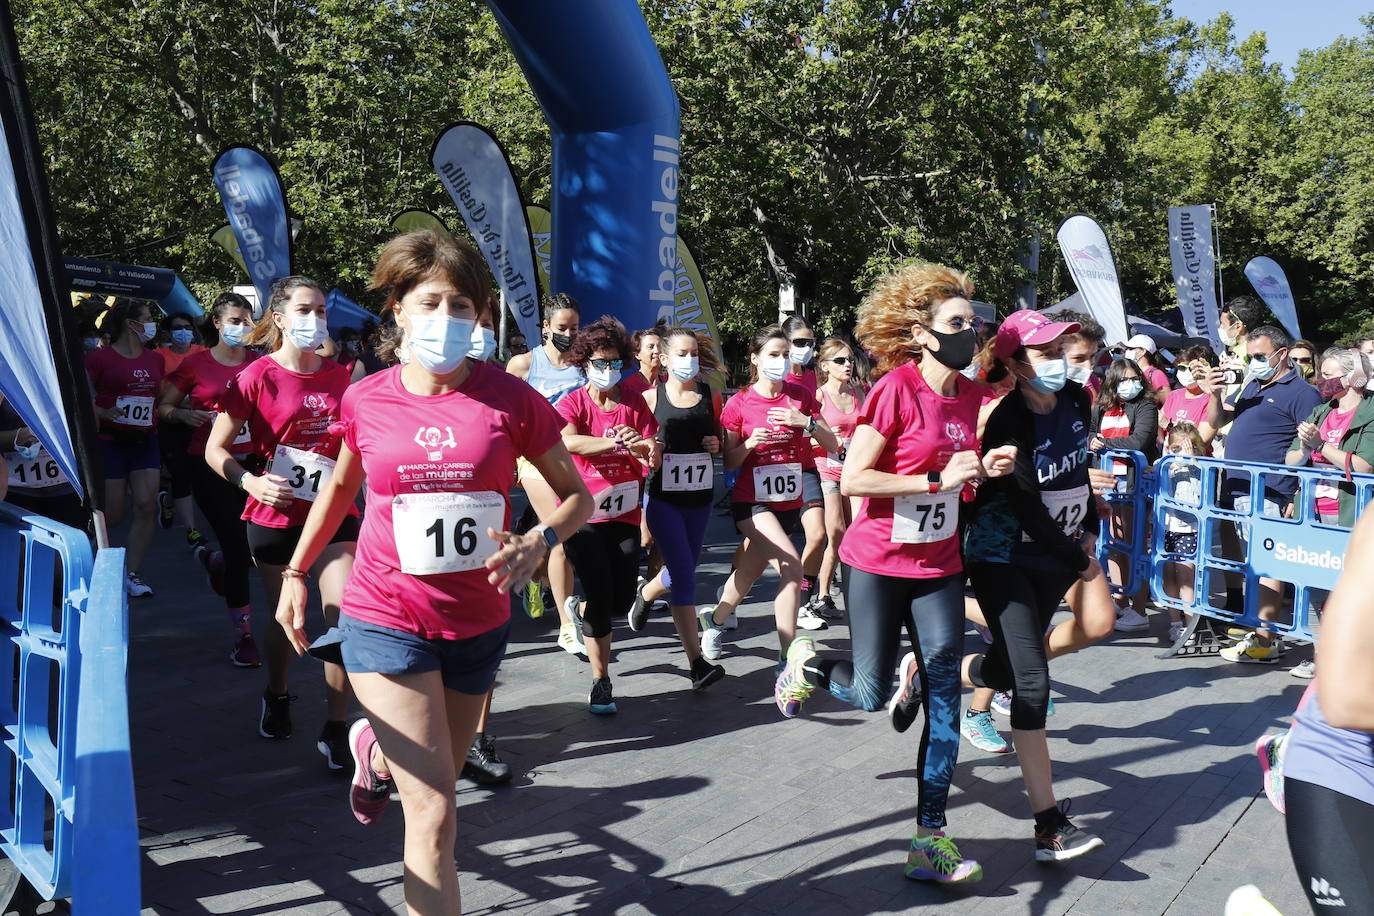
[803, 341]
[1305, 360]
[842, 360]
[607, 363]
[960, 323]
[1117, 351]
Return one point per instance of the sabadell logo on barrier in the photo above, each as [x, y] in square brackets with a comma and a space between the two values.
[1304, 557]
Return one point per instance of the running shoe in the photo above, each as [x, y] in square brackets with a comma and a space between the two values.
[600, 701]
[1248, 901]
[936, 858]
[334, 745]
[906, 702]
[532, 599]
[195, 540]
[1064, 841]
[979, 730]
[704, 674]
[825, 608]
[1305, 670]
[1176, 628]
[370, 793]
[1269, 749]
[245, 654]
[808, 619]
[275, 720]
[164, 509]
[1238, 633]
[135, 587]
[1001, 704]
[712, 636]
[792, 688]
[213, 561]
[1251, 651]
[568, 641]
[639, 610]
[1129, 621]
[484, 766]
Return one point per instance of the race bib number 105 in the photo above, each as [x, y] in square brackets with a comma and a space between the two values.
[777, 483]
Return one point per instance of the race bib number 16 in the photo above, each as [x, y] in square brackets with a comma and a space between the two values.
[445, 532]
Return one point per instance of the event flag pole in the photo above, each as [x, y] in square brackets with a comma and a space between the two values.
[1216, 247]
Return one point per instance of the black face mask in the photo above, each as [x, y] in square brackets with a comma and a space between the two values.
[561, 342]
[956, 350]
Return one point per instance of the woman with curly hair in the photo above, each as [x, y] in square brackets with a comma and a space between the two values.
[610, 433]
[913, 456]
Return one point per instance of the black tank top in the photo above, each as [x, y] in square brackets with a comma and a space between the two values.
[681, 430]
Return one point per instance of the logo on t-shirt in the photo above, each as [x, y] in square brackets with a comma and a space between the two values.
[430, 439]
[955, 431]
[316, 404]
[142, 375]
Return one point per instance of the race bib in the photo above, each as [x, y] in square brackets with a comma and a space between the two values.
[244, 437]
[686, 473]
[837, 458]
[305, 472]
[134, 411]
[777, 483]
[924, 518]
[445, 532]
[615, 501]
[1067, 508]
[37, 473]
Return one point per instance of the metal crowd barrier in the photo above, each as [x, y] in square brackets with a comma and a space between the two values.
[67, 822]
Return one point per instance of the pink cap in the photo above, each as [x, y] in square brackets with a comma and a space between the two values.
[1029, 328]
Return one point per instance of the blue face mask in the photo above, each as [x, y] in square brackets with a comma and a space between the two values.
[233, 334]
[1261, 368]
[603, 379]
[1129, 390]
[307, 332]
[684, 368]
[483, 343]
[30, 451]
[1050, 376]
[91, 343]
[183, 338]
[439, 342]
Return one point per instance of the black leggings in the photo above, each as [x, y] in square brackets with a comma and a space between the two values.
[222, 503]
[1018, 604]
[606, 558]
[174, 439]
[1331, 839]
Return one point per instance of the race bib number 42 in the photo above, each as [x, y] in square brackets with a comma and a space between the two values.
[777, 483]
[445, 532]
[1067, 508]
[305, 472]
[925, 518]
[134, 411]
[686, 473]
[615, 501]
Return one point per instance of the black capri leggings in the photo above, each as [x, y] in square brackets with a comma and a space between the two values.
[222, 503]
[174, 439]
[1331, 839]
[1018, 604]
[606, 558]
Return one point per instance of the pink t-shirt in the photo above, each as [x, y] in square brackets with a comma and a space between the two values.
[746, 412]
[1333, 429]
[204, 380]
[923, 430]
[293, 409]
[132, 385]
[635, 383]
[609, 475]
[808, 380]
[842, 424]
[1181, 405]
[443, 465]
[1157, 379]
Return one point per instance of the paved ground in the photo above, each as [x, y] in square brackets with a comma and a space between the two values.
[706, 803]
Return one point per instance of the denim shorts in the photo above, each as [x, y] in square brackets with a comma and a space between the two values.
[466, 665]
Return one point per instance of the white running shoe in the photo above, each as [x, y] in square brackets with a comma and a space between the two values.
[135, 587]
[808, 619]
[712, 636]
[1305, 670]
[1128, 621]
[731, 622]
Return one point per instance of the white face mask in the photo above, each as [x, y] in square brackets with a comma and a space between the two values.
[439, 342]
[1185, 378]
[773, 368]
[684, 368]
[603, 379]
[233, 334]
[147, 331]
[1227, 338]
[1080, 374]
[483, 343]
[307, 331]
[801, 356]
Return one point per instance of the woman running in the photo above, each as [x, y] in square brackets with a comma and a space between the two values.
[647, 345]
[841, 404]
[200, 381]
[914, 453]
[766, 430]
[174, 437]
[681, 489]
[549, 372]
[610, 434]
[1023, 548]
[427, 613]
[126, 377]
[288, 401]
[801, 358]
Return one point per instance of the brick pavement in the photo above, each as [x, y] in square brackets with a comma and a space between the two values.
[700, 803]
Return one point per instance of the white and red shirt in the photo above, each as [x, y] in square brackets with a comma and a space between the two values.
[842, 425]
[615, 477]
[913, 536]
[439, 470]
[129, 385]
[760, 476]
[1333, 429]
[288, 410]
[204, 380]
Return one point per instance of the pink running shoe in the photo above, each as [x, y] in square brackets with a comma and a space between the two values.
[369, 794]
[1269, 749]
[245, 654]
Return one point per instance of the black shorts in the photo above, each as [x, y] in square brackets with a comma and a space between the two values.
[274, 546]
[790, 519]
[813, 497]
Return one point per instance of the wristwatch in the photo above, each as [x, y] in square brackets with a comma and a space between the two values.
[933, 479]
[548, 534]
[810, 425]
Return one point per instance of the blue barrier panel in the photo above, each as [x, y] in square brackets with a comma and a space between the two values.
[1126, 534]
[46, 587]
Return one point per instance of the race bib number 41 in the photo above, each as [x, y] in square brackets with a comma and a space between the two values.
[305, 472]
[925, 518]
[134, 411]
[445, 532]
[777, 483]
[615, 501]
[686, 473]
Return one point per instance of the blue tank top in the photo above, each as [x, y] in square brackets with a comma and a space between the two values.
[1339, 758]
[551, 382]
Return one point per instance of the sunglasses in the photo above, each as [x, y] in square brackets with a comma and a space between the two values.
[1305, 360]
[1117, 352]
[961, 323]
[607, 363]
[803, 341]
[842, 360]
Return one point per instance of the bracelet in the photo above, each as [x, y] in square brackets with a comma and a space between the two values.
[292, 572]
[242, 477]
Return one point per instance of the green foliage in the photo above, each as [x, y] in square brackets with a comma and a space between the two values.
[823, 140]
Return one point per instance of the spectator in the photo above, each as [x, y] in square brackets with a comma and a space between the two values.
[1237, 318]
[517, 344]
[1189, 402]
[1366, 345]
[1143, 350]
[1265, 415]
[1304, 358]
[1340, 429]
[1081, 348]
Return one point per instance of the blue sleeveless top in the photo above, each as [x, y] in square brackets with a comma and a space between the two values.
[551, 382]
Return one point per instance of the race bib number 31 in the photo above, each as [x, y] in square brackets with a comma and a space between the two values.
[925, 518]
[305, 472]
[445, 532]
[615, 501]
[686, 473]
[134, 411]
[777, 483]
